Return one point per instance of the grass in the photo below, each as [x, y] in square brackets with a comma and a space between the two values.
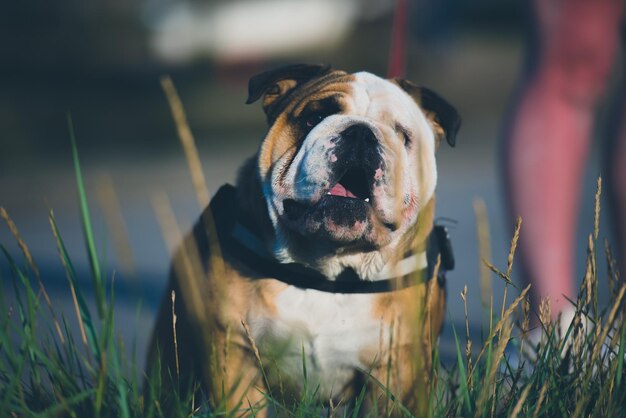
[48, 369]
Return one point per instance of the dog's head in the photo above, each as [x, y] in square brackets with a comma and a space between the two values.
[348, 161]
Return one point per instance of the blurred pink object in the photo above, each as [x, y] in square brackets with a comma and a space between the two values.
[550, 132]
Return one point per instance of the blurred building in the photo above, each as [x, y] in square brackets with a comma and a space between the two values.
[101, 59]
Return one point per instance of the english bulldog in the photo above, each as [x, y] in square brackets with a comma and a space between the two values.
[321, 271]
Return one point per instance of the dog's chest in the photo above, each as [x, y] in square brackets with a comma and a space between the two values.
[331, 335]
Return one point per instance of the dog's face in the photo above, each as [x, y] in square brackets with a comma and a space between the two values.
[349, 159]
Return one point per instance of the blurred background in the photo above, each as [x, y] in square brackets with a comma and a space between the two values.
[102, 60]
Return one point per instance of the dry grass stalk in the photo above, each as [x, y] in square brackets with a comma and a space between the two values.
[612, 270]
[253, 345]
[393, 366]
[427, 337]
[226, 348]
[468, 344]
[592, 249]
[167, 220]
[398, 175]
[331, 408]
[186, 262]
[500, 325]
[197, 175]
[189, 272]
[187, 140]
[514, 240]
[81, 326]
[545, 315]
[484, 250]
[112, 210]
[525, 323]
[509, 264]
[596, 217]
[587, 282]
[578, 339]
[512, 308]
[591, 277]
[542, 396]
[430, 300]
[31, 262]
[174, 332]
[20, 242]
[600, 340]
[489, 384]
[67, 273]
[520, 402]
[493, 268]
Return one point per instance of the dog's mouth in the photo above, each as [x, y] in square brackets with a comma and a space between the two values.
[349, 193]
[346, 206]
[353, 185]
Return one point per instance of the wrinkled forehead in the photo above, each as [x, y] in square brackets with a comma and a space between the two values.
[381, 99]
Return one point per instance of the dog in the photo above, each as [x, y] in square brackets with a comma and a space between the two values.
[315, 270]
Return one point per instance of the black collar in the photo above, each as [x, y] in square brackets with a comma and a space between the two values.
[240, 242]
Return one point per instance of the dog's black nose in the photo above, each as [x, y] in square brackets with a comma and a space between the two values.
[360, 133]
[360, 147]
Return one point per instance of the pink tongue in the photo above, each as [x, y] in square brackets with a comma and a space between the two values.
[339, 190]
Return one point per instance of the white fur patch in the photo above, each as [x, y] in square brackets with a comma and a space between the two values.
[325, 330]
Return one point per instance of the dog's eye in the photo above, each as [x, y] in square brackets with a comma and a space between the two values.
[312, 120]
[406, 137]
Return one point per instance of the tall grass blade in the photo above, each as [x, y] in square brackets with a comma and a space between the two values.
[86, 222]
[112, 210]
[620, 356]
[31, 262]
[187, 141]
[462, 374]
[484, 250]
[84, 315]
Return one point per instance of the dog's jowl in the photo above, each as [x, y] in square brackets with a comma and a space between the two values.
[319, 269]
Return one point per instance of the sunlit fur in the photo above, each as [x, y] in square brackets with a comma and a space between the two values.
[244, 335]
[406, 184]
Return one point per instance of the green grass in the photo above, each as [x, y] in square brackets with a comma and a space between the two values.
[46, 369]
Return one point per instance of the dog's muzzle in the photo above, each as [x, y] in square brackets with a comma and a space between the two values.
[347, 200]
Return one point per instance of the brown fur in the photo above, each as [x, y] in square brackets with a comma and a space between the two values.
[215, 350]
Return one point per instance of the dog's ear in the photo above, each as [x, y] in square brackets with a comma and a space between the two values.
[274, 85]
[444, 117]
